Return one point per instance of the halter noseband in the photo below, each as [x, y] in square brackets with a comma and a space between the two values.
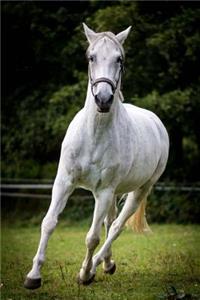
[104, 79]
[107, 80]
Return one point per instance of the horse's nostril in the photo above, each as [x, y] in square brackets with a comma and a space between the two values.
[103, 102]
[111, 98]
[99, 99]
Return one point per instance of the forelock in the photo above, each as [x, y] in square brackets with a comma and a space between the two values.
[109, 35]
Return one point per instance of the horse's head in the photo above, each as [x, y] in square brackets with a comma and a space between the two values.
[106, 56]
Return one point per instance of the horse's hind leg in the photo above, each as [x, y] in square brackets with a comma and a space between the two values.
[103, 202]
[108, 264]
[60, 193]
[132, 202]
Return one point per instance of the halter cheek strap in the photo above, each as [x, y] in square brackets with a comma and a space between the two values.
[104, 79]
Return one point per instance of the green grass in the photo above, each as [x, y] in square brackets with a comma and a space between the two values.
[146, 266]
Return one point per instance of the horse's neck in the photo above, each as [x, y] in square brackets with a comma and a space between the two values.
[96, 121]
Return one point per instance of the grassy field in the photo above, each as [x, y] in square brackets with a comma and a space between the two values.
[146, 265]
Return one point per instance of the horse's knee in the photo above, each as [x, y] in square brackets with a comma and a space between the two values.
[48, 224]
[92, 240]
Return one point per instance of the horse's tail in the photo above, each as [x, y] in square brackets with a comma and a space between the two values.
[137, 222]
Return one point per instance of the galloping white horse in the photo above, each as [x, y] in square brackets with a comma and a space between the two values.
[110, 148]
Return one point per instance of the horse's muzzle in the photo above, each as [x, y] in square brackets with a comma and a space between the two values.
[103, 104]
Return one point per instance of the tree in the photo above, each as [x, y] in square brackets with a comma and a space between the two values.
[46, 74]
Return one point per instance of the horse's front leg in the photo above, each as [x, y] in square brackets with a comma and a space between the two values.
[62, 189]
[109, 264]
[103, 202]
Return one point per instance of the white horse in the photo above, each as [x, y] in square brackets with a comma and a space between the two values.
[110, 148]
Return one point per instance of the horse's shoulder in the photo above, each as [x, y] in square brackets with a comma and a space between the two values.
[141, 117]
[138, 111]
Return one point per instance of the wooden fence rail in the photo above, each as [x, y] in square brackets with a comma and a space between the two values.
[12, 188]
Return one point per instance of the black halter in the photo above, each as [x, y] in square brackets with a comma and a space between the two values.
[104, 79]
[107, 80]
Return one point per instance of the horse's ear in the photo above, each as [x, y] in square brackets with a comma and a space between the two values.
[89, 33]
[123, 35]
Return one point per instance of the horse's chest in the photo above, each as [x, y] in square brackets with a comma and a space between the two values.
[98, 166]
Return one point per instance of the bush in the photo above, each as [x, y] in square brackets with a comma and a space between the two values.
[162, 207]
[171, 206]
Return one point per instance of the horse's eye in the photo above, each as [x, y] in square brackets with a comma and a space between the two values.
[91, 58]
[119, 60]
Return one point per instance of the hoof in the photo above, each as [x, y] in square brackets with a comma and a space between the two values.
[85, 282]
[32, 284]
[111, 270]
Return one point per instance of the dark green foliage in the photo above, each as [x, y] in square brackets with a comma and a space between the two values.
[173, 206]
[45, 82]
[162, 207]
